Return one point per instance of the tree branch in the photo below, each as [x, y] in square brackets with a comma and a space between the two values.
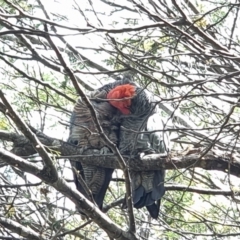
[49, 168]
[99, 128]
[80, 201]
[19, 229]
[211, 161]
[185, 188]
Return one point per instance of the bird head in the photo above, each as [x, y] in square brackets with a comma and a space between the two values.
[122, 97]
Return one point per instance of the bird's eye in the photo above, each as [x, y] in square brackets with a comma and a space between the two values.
[74, 142]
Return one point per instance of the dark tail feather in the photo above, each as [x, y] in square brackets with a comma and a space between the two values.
[158, 185]
[98, 198]
[143, 196]
[154, 209]
[150, 198]
[78, 166]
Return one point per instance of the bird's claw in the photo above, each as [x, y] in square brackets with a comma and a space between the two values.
[104, 150]
[141, 155]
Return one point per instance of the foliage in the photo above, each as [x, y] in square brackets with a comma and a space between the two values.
[186, 52]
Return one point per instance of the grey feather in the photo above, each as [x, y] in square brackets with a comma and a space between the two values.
[84, 135]
[147, 186]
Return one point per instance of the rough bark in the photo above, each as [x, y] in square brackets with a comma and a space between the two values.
[76, 197]
[213, 160]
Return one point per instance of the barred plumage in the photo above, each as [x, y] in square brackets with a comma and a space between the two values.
[147, 187]
[142, 107]
[84, 135]
[142, 115]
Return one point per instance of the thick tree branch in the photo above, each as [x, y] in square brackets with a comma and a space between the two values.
[99, 128]
[49, 168]
[213, 160]
[185, 53]
[80, 201]
[20, 229]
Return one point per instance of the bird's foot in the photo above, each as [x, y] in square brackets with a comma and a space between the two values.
[141, 155]
[104, 150]
[147, 152]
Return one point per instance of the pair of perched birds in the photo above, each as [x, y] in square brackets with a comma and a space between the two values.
[129, 117]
